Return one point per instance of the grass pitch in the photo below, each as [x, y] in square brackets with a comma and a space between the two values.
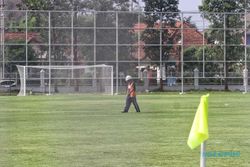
[91, 131]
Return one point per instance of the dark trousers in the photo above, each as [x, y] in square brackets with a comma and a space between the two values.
[130, 100]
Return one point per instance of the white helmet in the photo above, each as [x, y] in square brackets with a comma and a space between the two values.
[128, 77]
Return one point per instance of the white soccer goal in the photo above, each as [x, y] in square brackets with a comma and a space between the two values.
[65, 79]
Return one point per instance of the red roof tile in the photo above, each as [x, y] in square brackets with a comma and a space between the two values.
[9, 36]
[191, 35]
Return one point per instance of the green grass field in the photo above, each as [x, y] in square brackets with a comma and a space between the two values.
[91, 131]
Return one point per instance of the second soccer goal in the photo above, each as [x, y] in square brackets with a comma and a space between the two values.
[65, 79]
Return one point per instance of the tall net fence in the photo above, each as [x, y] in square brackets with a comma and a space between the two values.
[184, 53]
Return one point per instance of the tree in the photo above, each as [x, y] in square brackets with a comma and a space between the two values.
[80, 6]
[15, 54]
[193, 55]
[230, 43]
[165, 13]
[83, 17]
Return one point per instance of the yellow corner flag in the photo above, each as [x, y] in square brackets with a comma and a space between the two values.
[199, 131]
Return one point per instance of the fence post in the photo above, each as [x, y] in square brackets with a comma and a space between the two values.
[196, 78]
[42, 80]
[245, 79]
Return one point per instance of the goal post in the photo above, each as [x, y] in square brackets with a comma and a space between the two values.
[96, 79]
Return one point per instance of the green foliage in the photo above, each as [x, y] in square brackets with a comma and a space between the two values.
[192, 55]
[152, 35]
[46, 5]
[224, 6]
[82, 18]
[229, 20]
[16, 55]
[19, 26]
[98, 5]
[170, 7]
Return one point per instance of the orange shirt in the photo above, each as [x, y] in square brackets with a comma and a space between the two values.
[131, 89]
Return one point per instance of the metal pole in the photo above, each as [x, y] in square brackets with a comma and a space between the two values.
[160, 47]
[95, 37]
[225, 47]
[26, 48]
[161, 37]
[203, 155]
[117, 52]
[245, 69]
[2, 36]
[182, 66]
[112, 81]
[26, 39]
[72, 43]
[138, 46]
[49, 52]
[203, 48]
[95, 80]
[24, 80]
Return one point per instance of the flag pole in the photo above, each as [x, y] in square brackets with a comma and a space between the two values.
[203, 154]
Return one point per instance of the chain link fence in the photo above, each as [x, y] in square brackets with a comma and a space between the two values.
[188, 51]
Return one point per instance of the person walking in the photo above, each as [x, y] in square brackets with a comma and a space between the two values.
[131, 95]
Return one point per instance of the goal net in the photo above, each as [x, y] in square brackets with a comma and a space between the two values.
[65, 79]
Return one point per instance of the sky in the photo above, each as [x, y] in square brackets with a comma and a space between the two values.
[189, 5]
[185, 5]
